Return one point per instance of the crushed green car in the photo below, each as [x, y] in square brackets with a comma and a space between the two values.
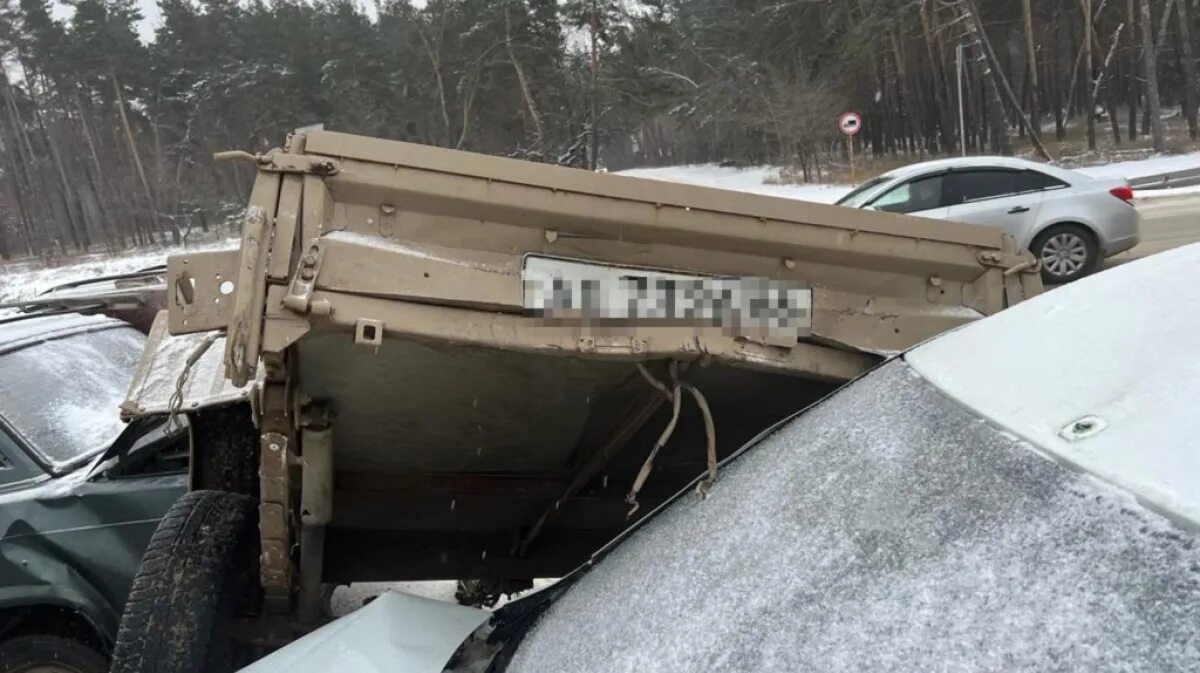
[81, 492]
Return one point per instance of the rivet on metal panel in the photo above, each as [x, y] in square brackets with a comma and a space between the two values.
[638, 346]
[789, 263]
[935, 281]
[387, 221]
[551, 235]
[1083, 428]
[369, 333]
[587, 345]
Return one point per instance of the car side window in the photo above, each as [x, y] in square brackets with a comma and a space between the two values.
[15, 466]
[1036, 181]
[913, 196]
[978, 185]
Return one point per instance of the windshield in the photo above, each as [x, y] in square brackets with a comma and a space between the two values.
[886, 529]
[858, 197]
[63, 395]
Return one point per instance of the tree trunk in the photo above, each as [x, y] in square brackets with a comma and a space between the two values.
[1134, 64]
[1053, 81]
[593, 144]
[1090, 70]
[999, 82]
[521, 80]
[1032, 61]
[932, 53]
[133, 151]
[436, 64]
[1094, 95]
[1150, 65]
[1189, 69]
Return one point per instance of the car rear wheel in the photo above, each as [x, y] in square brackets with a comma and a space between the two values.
[193, 579]
[1067, 252]
[49, 654]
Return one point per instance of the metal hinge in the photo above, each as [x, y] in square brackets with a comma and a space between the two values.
[1011, 264]
[279, 161]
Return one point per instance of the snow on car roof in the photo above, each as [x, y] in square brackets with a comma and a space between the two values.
[17, 333]
[986, 162]
[1102, 374]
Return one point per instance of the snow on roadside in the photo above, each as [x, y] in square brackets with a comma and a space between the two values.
[1144, 167]
[741, 179]
[24, 280]
[1167, 193]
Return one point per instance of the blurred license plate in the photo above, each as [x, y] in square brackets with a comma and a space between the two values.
[574, 291]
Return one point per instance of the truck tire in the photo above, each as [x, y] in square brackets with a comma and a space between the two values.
[49, 654]
[193, 578]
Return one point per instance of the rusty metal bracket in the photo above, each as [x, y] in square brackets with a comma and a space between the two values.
[300, 291]
[274, 521]
[200, 287]
[1002, 260]
[278, 161]
[1012, 266]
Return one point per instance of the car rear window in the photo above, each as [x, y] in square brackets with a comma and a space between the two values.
[886, 529]
[62, 396]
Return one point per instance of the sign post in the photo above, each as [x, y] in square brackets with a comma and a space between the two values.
[850, 123]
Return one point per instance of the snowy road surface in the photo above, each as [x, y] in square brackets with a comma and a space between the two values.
[1167, 222]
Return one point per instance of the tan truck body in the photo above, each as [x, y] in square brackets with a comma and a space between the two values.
[418, 422]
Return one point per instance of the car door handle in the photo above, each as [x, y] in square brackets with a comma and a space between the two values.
[1018, 210]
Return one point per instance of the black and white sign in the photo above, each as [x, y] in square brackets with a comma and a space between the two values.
[850, 123]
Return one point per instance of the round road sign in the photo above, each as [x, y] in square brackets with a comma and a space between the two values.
[850, 123]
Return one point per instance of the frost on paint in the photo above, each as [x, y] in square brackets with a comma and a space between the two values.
[63, 395]
[887, 529]
[1116, 350]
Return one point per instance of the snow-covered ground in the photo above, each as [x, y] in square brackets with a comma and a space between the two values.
[756, 179]
[1144, 167]
[24, 280]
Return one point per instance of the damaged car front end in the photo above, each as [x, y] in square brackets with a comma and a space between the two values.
[81, 492]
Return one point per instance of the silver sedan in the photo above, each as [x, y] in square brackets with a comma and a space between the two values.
[1068, 220]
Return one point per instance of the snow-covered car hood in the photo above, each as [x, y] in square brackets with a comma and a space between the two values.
[395, 633]
[1103, 374]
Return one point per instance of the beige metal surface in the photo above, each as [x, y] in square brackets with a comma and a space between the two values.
[157, 380]
[382, 283]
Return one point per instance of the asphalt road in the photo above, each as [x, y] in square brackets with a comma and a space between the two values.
[1167, 222]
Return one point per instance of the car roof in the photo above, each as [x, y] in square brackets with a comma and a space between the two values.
[29, 329]
[983, 162]
[1101, 374]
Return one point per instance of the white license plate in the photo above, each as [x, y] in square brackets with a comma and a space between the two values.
[571, 290]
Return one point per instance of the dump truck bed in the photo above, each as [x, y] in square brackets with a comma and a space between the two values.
[384, 290]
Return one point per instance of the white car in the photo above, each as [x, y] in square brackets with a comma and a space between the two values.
[1019, 495]
[1068, 220]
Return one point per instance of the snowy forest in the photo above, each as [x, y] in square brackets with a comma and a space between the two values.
[107, 138]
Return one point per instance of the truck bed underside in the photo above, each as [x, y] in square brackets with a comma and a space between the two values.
[446, 457]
